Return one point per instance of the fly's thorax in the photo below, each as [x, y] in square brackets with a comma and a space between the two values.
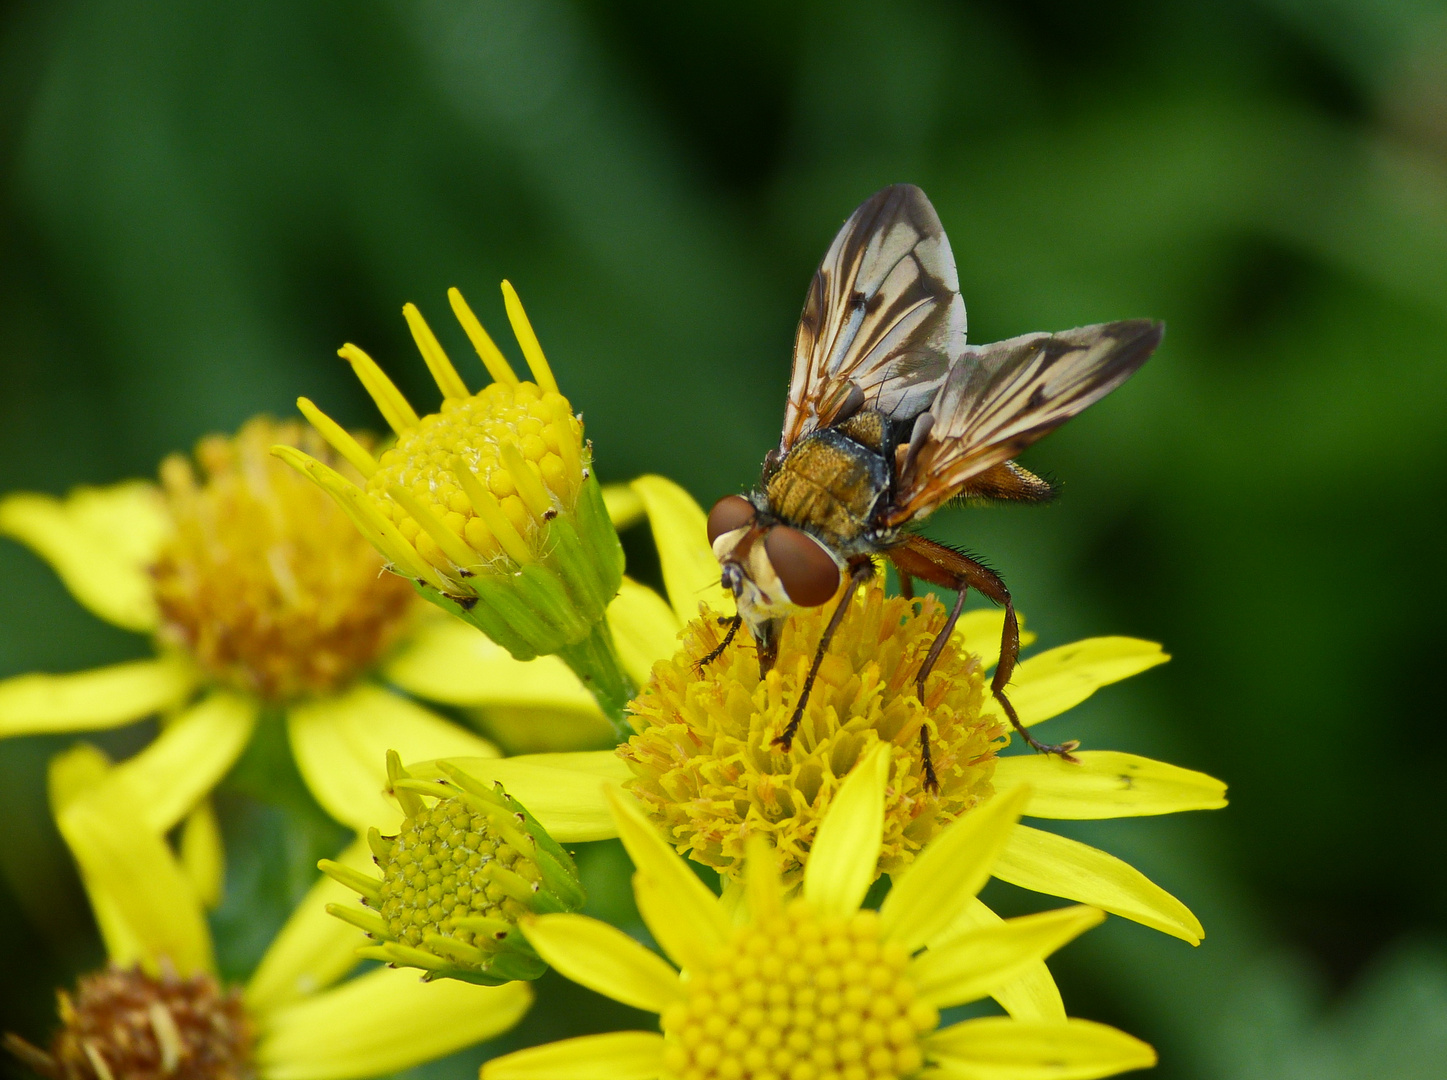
[831, 485]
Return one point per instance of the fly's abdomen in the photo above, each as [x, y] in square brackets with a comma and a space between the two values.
[829, 484]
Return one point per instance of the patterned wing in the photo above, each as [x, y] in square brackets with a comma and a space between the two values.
[1000, 398]
[882, 319]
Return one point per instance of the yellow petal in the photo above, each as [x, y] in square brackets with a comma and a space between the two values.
[521, 729]
[951, 869]
[1051, 682]
[1058, 866]
[100, 542]
[690, 571]
[169, 777]
[150, 910]
[381, 1023]
[1031, 994]
[563, 791]
[447, 660]
[605, 959]
[764, 890]
[978, 632]
[625, 506]
[645, 629]
[1107, 784]
[683, 915]
[341, 745]
[100, 698]
[314, 949]
[998, 1048]
[968, 967]
[844, 858]
[202, 855]
[617, 1055]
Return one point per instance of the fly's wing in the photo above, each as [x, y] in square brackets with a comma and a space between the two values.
[1000, 398]
[882, 320]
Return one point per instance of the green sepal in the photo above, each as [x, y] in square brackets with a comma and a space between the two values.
[479, 613]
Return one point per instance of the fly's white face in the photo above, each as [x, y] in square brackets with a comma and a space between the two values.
[752, 579]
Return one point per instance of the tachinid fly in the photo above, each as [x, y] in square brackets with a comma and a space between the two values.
[890, 414]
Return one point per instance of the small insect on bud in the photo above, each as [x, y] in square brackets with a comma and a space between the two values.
[468, 862]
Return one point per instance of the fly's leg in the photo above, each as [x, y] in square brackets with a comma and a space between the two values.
[733, 622]
[946, 567]
[859, 573]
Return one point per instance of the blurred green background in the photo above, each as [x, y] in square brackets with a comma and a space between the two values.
[199, 203]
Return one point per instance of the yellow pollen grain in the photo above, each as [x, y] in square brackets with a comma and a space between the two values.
[701, 776]
[714, 1033]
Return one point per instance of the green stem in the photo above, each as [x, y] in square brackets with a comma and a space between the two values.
[595, 661]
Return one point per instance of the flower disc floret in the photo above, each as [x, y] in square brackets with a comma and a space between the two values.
[467, 864]
[263, 579]
[706, 769]
[799, 997]
[123, 1024]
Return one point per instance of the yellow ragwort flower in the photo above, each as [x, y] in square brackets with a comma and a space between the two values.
[159, 1009]
[489, 505]
[814, 986]
[467, 862]
[262, 598]
[706, 771]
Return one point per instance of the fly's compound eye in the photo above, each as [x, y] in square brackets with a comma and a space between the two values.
[807, 571]
[729, 513]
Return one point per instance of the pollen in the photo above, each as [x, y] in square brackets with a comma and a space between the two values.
[703, 760]
[264, 580]
[800, 997]
[123, 1024]
[493, 469]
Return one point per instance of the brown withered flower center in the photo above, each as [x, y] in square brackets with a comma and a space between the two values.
[264, 580]
[123, 1024]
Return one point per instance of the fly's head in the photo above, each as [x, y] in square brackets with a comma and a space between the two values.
[772, 569]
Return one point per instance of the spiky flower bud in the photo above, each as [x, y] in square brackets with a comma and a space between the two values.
[468, 862]
[490, 504]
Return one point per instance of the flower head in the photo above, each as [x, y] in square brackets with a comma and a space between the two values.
[490, 504]
[467, 863]
[125, 1022]
[707, 772]
[814, 986]
[160, 1009]
[262, 580]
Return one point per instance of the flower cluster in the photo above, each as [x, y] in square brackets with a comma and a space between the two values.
[276, 573]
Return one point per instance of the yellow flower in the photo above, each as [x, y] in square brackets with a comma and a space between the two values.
[159, 1009]
[489, 505]
[815, 986]
[261, 598]
[706, 771]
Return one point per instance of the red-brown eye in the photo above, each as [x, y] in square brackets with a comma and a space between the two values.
[729, 513]
[808, 573]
